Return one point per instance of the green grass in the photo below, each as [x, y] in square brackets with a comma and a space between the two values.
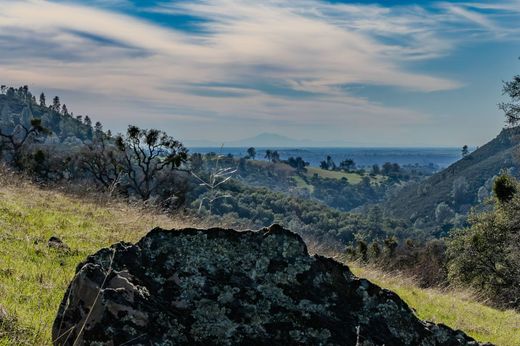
[352, 178]
[302, 184]
[457, 309]
[33, 277]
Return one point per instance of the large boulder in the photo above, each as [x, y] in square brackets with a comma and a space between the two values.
[223, 287]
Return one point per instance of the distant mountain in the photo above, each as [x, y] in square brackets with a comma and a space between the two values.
[268, 140]
[462, 184]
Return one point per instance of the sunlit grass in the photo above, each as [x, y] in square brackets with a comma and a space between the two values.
[454, 308]
[34, 277]
[352, 177]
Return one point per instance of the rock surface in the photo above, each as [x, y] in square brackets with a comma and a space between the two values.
[223, 287]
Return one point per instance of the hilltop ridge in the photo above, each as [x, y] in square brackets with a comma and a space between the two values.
[462, 184]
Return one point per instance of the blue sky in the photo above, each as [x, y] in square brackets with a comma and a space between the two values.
[368, 73]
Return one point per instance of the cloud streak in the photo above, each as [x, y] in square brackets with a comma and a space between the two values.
[272, 61]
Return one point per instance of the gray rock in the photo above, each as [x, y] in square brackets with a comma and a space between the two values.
[223, 287]
[3, 314]
[57, 243]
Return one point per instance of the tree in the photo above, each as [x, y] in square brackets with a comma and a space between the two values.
[102, 159]
[465, 151]
[460, 191]
[485, 255]
[56, 105]
[347, 165]
[64, 110]
[443, 214]
[18, 138]
[25, 92]
[505, 187]
[324, 165]
[330, 163]
[3, 89]
[98, 127]
[297, 163]
[251, 153]
[268, 155]
[87, 121]
[275, 157]
[145, 154]
[511, 109]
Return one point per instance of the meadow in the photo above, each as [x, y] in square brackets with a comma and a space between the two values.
[34, 276]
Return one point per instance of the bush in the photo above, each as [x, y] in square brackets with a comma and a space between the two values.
[486, 255]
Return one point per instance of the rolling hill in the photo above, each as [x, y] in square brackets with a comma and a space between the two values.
[462, 184]
[35, 275]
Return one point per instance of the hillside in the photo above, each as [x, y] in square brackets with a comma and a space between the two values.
[18, 107]
[470, 174]
[35, 276]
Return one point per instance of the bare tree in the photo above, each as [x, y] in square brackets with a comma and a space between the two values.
[18, 138]
[145, 154]
[102, 159]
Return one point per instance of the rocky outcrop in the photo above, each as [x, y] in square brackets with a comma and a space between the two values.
[223, 287]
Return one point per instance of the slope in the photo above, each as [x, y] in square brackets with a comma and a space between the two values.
[470, 173]
[34, 276]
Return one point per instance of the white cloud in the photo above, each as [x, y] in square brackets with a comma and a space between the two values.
[308, 47]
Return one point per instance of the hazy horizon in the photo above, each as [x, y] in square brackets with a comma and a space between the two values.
[370, 73]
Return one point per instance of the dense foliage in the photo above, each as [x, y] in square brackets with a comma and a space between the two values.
[486, 255]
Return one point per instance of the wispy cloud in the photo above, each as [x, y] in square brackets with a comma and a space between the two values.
[277, 60]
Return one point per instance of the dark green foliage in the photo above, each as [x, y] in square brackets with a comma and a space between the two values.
[465, 151]
[251, 153]
[486, 255]
[297, 163]
[347, 165]
[42, 100]
[512, 109]
[424, 261]
[260, 207]
[505, 188]
[457, 186]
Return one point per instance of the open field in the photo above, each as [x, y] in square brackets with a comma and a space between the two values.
[352, 178]
[33, 277]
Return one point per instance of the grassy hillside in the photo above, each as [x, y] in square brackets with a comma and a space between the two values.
[352, 178]
[487, 161]
[33, 277]
[457, 309]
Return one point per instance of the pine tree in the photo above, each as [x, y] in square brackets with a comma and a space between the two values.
[42, 100]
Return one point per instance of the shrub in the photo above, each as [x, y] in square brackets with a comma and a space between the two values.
[486, 255]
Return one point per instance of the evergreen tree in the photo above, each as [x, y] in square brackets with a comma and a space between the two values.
[465, 151]
[56, 105]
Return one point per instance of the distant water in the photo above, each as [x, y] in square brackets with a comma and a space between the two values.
[442, 157]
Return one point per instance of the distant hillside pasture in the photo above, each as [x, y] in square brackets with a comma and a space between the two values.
[352, 177]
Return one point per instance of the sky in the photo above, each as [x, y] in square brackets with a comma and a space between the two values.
[357, 73]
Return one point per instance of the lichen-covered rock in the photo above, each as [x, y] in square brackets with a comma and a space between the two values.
[222, 287]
